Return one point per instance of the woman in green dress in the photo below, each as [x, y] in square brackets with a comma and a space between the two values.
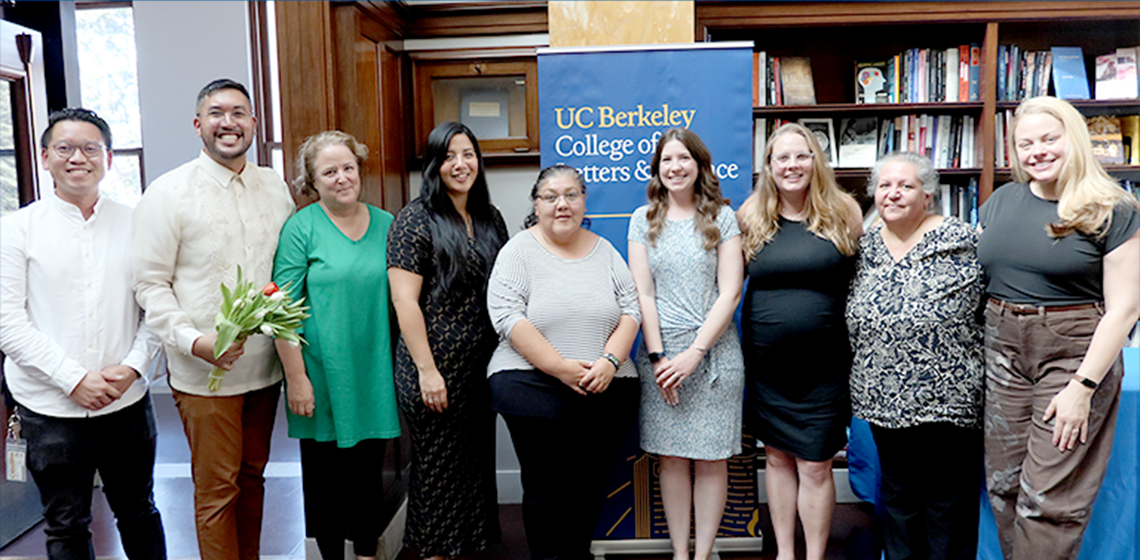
[342, 400]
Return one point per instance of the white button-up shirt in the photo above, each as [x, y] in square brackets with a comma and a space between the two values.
[66, 305]
[193, 227]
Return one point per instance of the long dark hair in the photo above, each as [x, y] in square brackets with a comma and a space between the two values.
[448, 230]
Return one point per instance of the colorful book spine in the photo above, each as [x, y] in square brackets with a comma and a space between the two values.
[975, 70]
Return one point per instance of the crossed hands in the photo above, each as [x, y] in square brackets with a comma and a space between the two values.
[100, 388]
[586, 377]
[671, 373]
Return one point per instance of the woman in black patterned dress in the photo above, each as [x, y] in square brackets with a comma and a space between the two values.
[917, 373]
[440, 251]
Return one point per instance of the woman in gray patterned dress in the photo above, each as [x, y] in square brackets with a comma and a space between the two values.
[685, 255]
[917, 372]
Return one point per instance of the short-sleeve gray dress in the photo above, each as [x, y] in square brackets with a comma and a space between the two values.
[706, 424]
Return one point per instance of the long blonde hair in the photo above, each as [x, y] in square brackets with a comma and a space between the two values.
[826, 207]
[706, 190]
[1086, 193]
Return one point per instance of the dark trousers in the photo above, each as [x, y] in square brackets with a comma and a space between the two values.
[931, 489]
[566, 445]
[343, 493]
[63, 455]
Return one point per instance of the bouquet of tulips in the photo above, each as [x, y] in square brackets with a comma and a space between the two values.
[247, 310]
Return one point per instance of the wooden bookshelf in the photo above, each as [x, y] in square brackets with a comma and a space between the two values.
[834, 35]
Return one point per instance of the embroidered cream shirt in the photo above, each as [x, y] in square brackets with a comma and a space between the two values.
[193, 227]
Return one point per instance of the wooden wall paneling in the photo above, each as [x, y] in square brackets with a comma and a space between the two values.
[988, 93]
[394, 105]
[357, 95]
[25, 141]
[481, 18]
[393, 127]
[307, 61]
[370, 103]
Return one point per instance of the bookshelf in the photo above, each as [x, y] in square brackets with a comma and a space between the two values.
[837, 35]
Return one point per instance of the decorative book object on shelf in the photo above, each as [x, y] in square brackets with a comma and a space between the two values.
[858, 140]
[824, 132]
[795, 77]
[1069, 78]
[1107, 140]
[871, 82]
[1130, 129]
[1116, 75]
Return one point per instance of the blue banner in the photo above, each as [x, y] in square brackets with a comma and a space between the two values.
[602, 111]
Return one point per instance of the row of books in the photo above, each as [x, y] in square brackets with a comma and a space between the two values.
[1024, 74]
[959, 201]
[1115, 139]
[952, 75]
[921, 76]
[949, 140]
[781, 80]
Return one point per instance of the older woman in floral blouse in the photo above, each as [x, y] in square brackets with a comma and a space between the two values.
[917, 375]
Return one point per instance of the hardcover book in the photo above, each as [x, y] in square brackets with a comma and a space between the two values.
[1069, 78]
[795, 76]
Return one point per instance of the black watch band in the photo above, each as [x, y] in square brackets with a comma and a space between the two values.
[1086, 381]
[655, 357]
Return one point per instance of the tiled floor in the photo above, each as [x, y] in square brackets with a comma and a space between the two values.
[853, 532]
[283, 532]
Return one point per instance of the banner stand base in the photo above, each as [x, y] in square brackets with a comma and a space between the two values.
[601, 548]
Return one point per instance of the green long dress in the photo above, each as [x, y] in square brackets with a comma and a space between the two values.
[349, 353]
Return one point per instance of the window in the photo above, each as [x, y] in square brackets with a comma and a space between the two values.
[108, 78]
[267, 86]
[9, 187]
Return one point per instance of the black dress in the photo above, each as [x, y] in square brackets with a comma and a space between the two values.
[797, 357]
[452, 501]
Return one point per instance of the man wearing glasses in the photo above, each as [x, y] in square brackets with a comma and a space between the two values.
[76, 347]
[194, 227]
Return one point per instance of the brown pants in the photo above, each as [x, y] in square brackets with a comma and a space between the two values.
[229, 448]
[1042, 497]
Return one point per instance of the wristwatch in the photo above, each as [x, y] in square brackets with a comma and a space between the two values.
[1085, 381]
[655, 357]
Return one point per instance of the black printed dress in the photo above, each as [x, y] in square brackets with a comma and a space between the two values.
[452, 501]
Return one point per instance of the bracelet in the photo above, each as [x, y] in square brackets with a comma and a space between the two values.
[612, 359]
[701, 348]
[1086, 381]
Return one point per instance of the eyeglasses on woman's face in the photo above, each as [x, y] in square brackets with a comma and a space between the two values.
[570, 197]
[784, 160]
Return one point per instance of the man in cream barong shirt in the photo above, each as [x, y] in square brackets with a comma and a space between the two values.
[194, 226]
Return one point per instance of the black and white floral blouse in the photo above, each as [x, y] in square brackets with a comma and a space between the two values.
[914, 332]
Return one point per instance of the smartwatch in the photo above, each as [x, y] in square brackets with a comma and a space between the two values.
[655, 357]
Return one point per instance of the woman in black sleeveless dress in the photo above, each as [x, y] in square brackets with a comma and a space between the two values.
[800, 236]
